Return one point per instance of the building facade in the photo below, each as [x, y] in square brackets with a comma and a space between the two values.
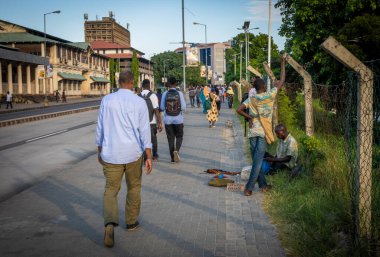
[123, 55]
[216, 60]
[75, 67]
[107, 30]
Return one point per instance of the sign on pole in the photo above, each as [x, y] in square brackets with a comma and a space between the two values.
[49, 71]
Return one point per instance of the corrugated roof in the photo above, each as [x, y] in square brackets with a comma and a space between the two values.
[82, 45]
[99, 79]
[120, 56]
[71, 76]
[106, 45]
[23, 37]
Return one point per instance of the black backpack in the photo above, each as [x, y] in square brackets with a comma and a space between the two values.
[149, 104]
[172, 103]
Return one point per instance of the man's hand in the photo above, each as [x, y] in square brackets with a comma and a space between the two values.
[99, 157]
[148, 166]
[159, 127]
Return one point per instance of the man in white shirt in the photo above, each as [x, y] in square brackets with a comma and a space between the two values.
[122, 136]
[155, 122]
[9, 100]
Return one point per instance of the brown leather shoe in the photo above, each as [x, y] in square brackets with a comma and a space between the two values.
[266, 188]
[108, 236]
[247, 192]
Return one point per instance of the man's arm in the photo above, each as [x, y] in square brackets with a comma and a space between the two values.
[280, 83]
[159, 120]
[99, 132]
[144, 128]
[162, 104]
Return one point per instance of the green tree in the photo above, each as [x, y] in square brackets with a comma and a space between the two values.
[307, 23]
[112, 72]
[258, 45]
[135, 68]
[193, 76]
[173, 66]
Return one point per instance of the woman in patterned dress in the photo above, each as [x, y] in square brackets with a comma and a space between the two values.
[212, 114]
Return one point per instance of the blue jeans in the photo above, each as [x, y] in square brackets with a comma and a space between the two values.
[258, 148]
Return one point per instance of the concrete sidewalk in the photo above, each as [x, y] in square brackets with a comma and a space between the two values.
[180, 215]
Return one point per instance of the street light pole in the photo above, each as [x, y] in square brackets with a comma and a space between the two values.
[183, 46]
[165, 73]
[269, 41]
[206, 48]
[241, 50]
[46, 102]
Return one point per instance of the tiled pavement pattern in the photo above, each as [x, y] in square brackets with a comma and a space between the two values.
[180, 215]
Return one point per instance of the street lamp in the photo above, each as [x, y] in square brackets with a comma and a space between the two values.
[241, 50]
[46, 102]
[196, 23]
[246, 28]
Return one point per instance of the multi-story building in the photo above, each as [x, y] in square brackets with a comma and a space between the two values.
[216, 59]
[123, 55]
[76, 68]
[108, 30]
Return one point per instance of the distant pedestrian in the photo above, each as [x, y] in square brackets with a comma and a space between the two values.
[154, 114]
[197, 95]
[122, 135]
[9, 100]
[192, 94]
[206, 93]
[57, 95]
[230, 96]
[221, 93]
[159, 96]
[174, 104]
[212, 114]
[63, 96]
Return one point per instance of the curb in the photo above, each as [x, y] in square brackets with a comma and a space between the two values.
[6, 123]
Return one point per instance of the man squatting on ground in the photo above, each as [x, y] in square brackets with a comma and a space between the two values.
[122, 135]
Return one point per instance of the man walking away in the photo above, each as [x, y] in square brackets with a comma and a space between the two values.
[122, 135]
[154, 114]
[192, 96]
[9, 100]
[174, 104]
[260, 123]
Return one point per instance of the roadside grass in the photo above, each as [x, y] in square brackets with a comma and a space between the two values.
[313, 211]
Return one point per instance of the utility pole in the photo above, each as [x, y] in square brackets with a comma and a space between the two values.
[183, 46]
[269, 42]
[241, 50]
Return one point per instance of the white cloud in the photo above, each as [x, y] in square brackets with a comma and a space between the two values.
[260, 11]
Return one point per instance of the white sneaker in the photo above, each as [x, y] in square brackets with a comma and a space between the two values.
[176, 156]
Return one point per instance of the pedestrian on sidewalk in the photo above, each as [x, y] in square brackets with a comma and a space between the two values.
[154, 114]
[205, 96]
[9, 100]
[63, 96]
[57, 95]
[174, 104]
[230, 97]
[212, 114]
[260, 127]
[192, 94]
[122, 135]
[197, 95]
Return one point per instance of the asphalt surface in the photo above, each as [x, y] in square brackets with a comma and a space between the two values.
[43, 111]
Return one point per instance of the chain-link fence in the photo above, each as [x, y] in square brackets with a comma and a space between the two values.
[347, 120]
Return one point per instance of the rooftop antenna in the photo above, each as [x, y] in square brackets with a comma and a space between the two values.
[97, 17]
[127, 25]
[111, 14]
[85, 16]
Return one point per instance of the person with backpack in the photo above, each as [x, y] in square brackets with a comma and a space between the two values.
[173, 103]
[154, 114]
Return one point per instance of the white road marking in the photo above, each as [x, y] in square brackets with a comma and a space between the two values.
[47, 135]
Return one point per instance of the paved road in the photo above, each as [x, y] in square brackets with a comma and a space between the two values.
[181, 215]
[50, 109]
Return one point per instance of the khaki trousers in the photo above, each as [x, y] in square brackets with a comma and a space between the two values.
[114, 175]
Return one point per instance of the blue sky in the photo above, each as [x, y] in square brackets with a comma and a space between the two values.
[153, 23]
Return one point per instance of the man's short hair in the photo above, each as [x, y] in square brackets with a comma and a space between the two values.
[280, 127]
[172, 81]
[259, 84]
[146, 84]
[126, 77]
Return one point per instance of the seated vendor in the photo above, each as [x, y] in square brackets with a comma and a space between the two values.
[287, 151]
